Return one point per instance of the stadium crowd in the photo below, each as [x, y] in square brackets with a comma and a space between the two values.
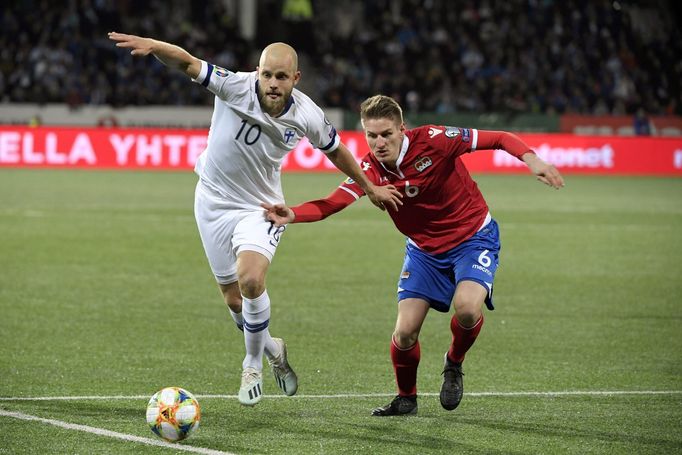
[574, 56]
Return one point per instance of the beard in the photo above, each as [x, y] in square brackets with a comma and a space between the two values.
[273, 107]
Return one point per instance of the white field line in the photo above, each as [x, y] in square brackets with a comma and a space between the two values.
[366, 395]
[111, 434]
[201, 450]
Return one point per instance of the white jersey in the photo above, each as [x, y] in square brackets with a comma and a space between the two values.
[246, 146]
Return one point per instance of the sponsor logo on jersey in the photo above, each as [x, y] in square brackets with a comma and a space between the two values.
[466, 135]
[289, 134]
[365, 165]
[222, 72]
[434, 132]
[451, 131]
[422, 163]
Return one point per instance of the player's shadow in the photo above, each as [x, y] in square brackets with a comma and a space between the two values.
[565, 432]
[401, 436]
[370, 435]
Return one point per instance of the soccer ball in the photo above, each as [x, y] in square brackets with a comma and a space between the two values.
[173, 414]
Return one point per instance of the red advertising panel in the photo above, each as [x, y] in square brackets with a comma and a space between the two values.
[178, 149]
[100, 147]
[589, 155]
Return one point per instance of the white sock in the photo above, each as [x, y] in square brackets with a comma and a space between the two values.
[256, 314]
[271, 349]
[238, 319]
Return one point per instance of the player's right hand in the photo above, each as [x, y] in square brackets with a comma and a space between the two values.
[278, 214]
[545, 172]
[140, 46]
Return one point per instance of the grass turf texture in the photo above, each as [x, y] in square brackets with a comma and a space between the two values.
[104, 290]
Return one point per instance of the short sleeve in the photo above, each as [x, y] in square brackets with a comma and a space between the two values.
[321, 132]
[221, 82]
[457, 141]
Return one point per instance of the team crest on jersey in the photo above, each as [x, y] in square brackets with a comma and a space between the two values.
[222, 72]
[423, 163]
[451, 131]
[289, 134]
[433, 132]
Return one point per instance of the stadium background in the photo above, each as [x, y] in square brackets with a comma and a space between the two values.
[579, 67]
[106, 297]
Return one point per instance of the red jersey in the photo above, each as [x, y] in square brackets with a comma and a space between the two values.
[442, 205]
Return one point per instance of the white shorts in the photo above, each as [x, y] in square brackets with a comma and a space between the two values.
[225, 232]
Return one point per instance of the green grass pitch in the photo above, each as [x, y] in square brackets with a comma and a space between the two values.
[105, 293]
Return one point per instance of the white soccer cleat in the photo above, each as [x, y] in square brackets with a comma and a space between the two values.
[284, 375]
[251, 391]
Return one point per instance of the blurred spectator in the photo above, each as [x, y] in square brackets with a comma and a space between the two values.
[107, 121]
[35, 121]
[573, 56]
[642, 124]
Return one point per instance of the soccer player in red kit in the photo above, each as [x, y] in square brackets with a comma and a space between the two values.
[452, 240]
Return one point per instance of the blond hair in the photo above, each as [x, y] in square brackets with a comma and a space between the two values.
[381, 106]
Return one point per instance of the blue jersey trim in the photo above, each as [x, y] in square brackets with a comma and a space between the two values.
[290, 102]
[328, 146]
[288, 106]
[207, 79]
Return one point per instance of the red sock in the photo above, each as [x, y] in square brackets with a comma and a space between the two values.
[462, 338]
[405, 363]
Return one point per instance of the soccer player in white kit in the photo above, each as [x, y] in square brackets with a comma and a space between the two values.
[258, 118]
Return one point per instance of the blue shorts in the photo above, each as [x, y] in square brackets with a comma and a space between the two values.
[434, 277]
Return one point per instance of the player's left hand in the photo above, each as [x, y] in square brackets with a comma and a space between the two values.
[385, 196]
[545, 172]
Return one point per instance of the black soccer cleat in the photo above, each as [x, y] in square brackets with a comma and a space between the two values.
[452, 389]
[400, 406]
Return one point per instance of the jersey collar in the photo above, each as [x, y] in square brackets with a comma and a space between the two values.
[401, 157]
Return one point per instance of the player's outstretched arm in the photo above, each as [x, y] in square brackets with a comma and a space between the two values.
[169, 54]
[311, 211]
[381, 196]
[512, 144]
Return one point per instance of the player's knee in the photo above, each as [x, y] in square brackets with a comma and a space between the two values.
[404, 339]
[251, 285]
[468, 316]
[468, 319]
[468, 310]
[468, 313]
